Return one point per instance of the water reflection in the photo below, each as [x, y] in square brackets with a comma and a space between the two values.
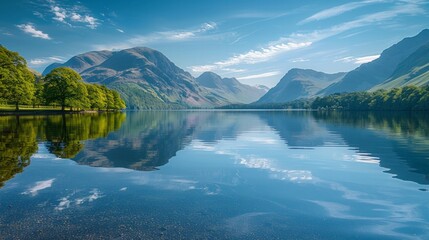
[147, 140]
[400, 141]
[63, 135]
[17, 144]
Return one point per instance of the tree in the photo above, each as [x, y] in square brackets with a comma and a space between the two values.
[96, 96]
[118, 102]
[65, 86]
[16, 80]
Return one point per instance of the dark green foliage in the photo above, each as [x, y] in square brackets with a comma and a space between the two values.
[65, 87]
[407, 98]
[16, 80]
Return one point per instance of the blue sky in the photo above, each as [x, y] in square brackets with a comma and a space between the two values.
[253, 40]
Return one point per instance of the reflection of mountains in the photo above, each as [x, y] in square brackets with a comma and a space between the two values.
[148, 140]
[400, 141]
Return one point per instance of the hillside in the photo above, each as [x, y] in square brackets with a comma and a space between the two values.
[373, 73]
[299, 83]
[145, 78]
[230, 88]
[414, 70]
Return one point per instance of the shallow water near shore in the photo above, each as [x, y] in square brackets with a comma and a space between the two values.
[215, 175]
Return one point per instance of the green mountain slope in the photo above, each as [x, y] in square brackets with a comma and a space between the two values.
[373, 73]
[414, 70]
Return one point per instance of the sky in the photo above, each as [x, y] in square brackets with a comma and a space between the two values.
[253, 40]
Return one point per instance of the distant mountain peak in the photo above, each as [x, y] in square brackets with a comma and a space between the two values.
[231, 88]
[300, 83]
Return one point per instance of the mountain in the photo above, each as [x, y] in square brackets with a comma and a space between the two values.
[414, 70]
[145, 78]
[299, 83]
[373, 73]
[230, 88]
[82, 62]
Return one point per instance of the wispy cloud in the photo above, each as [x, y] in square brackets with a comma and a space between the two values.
[46, 60]
[301, 40]
[75, 14]
[298, 60]
[358, 60]
[163, 36]
[252, 56]
[261, 75]
[120, 30]
[338, 10]
[34, 190]
[175, 35]
[30, 29]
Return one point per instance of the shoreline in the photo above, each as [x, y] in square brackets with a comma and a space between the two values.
[44, 112]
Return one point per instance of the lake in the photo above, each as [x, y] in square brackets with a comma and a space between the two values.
[215, 175]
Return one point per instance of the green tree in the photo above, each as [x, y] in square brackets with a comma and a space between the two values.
[96, 96]
[65, 86]
[118, 102]
[16, 80]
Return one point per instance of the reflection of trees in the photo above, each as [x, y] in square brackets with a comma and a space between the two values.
[63, 135]
[17, 144]
[399, 140]
[146, 141]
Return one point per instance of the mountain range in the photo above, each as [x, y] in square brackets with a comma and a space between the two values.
[404, 63]
[146, 79]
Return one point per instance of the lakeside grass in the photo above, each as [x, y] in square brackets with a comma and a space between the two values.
[28, 107]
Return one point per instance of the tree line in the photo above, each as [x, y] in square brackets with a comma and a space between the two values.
[62, 87]
[408, 98]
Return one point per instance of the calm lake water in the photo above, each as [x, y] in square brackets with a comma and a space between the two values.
[215, 175]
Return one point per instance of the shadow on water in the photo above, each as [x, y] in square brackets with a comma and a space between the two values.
[146, 140]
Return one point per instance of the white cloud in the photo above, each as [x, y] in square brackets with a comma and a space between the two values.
[358, 60]
[33, 191]
[67, 15]
[120, 30]
[30, 29]
[261, 75]
[59, 13]
[46, 60]
[338, 10]
[366, 59]
[252, 56]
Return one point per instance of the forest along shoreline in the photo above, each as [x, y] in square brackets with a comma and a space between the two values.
[47, 112]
